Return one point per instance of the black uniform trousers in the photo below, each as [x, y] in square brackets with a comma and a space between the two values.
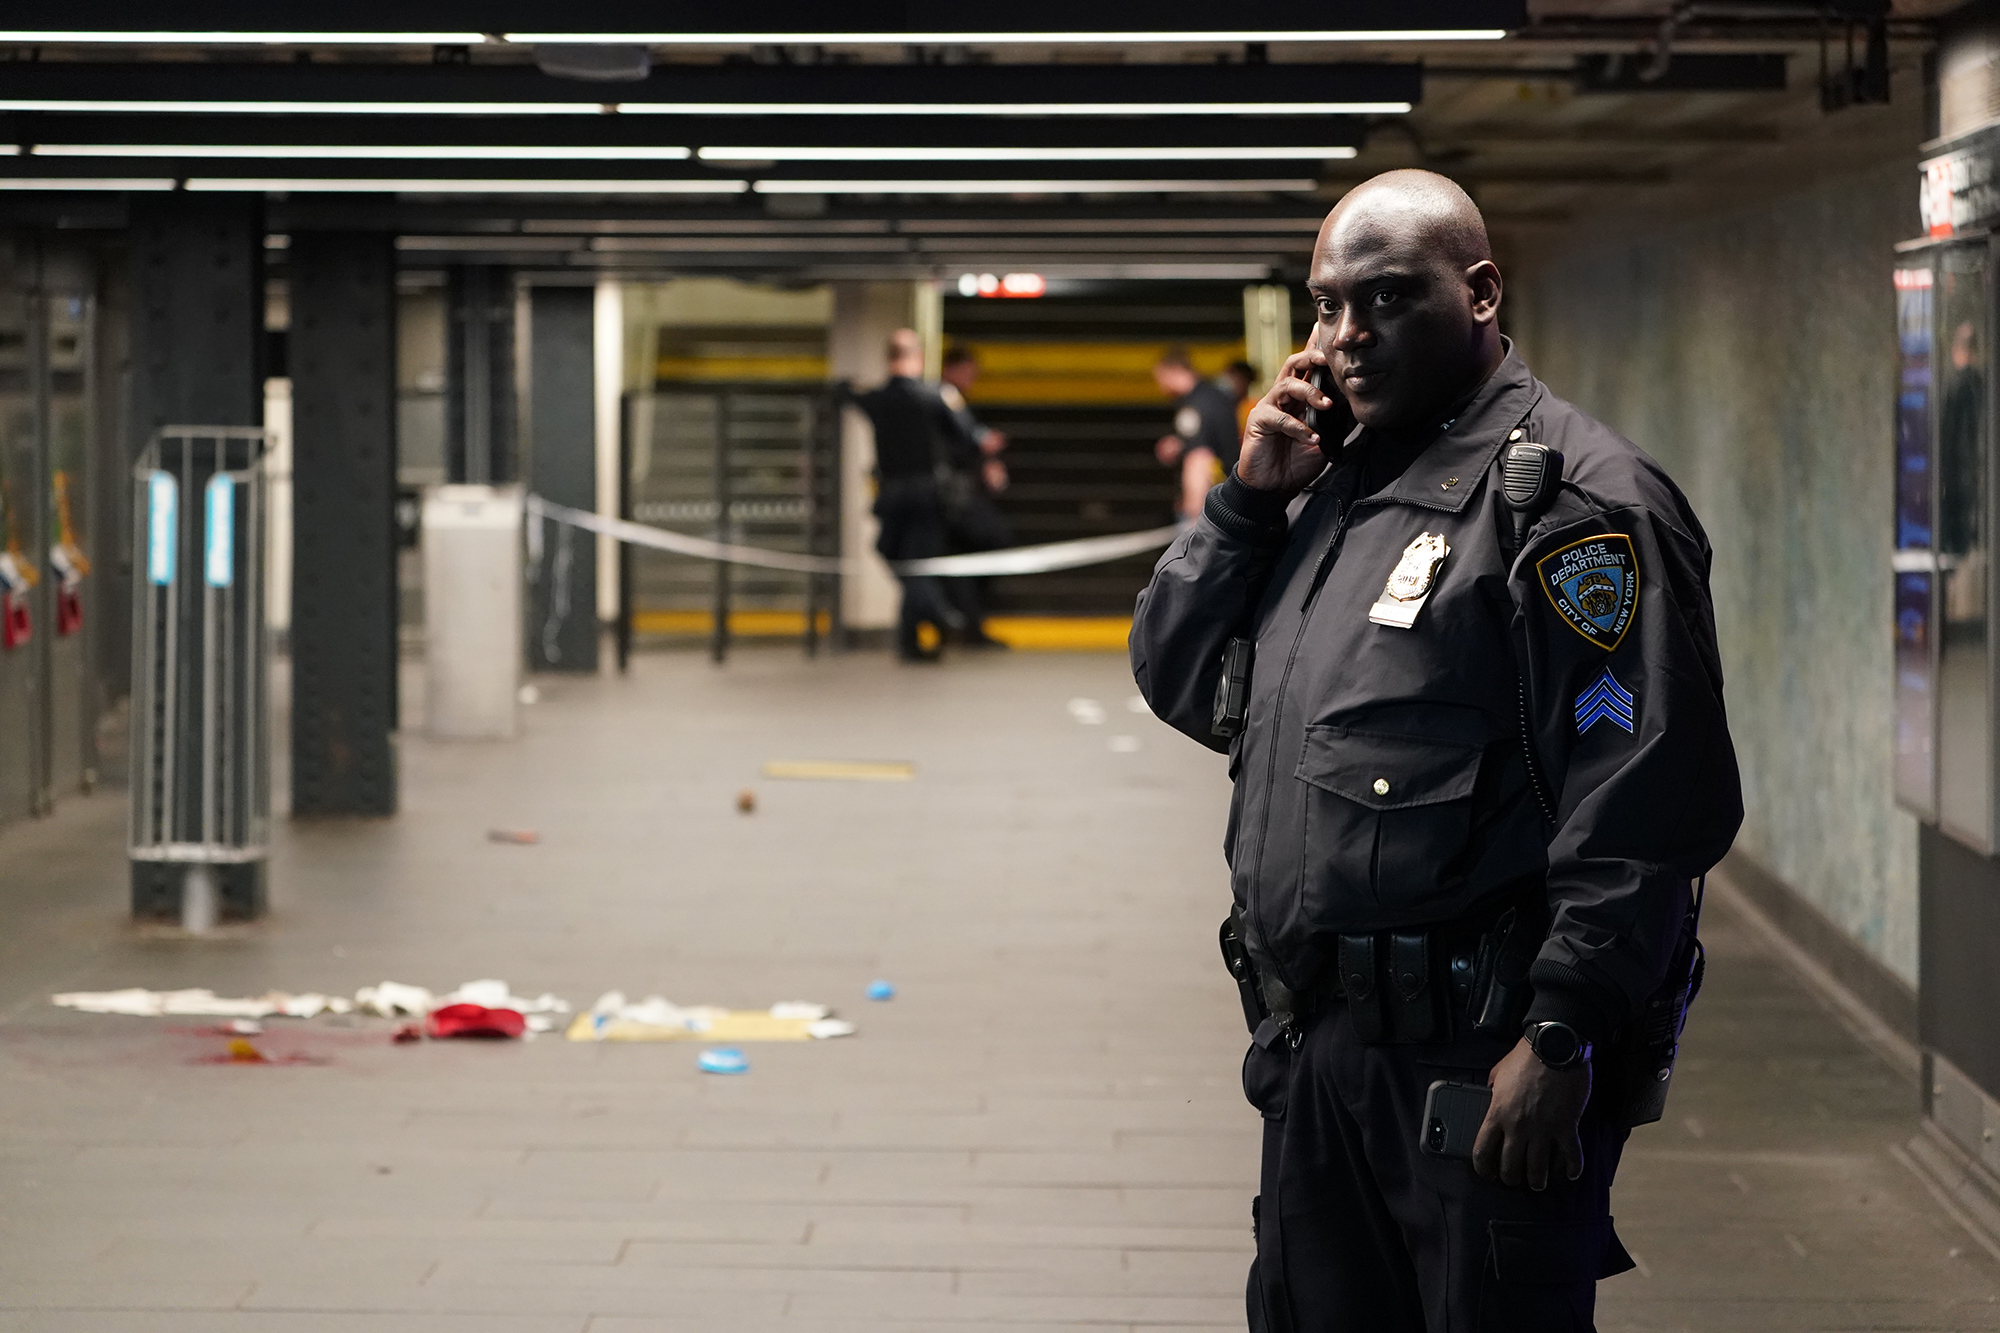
[913, 528]
[978, 525]
[1360, 1231]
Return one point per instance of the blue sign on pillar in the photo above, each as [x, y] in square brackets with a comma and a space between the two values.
[220, 562]
[161, 529]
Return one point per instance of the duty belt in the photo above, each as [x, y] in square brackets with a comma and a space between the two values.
[1403, 986]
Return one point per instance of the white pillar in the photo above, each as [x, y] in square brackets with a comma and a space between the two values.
[608, 375]
[864, 315]
[1267, 332]
[278, 504]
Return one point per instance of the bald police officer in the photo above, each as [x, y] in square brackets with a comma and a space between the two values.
[1482, 763]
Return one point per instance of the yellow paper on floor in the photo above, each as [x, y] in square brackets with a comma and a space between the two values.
[732, 1025]
[841, 770]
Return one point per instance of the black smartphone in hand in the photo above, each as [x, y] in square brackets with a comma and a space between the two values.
[1453, 1113]
[1332, 424]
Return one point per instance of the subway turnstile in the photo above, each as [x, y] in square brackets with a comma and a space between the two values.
[201, 789]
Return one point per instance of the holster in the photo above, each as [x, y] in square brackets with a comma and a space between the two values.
[1649, 1043]
[1236, 957]
[1500, 989]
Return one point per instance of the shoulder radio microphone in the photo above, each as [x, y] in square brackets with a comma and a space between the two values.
[1530, 479]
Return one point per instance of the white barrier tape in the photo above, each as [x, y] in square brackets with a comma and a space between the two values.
[1043, 559]
[639, 534]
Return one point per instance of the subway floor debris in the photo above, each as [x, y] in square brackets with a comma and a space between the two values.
[1042, 1132]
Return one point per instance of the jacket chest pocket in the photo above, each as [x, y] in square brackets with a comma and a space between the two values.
[1387, 818]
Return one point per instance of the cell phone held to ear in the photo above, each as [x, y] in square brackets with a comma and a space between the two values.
[1332, 424]
[1453, 1113]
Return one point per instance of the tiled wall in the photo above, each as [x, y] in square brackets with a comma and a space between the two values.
[1752, 353]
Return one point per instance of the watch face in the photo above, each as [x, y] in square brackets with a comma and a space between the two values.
[1556, 1044]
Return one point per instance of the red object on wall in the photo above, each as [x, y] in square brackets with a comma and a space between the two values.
[16, 627]
[69, 611]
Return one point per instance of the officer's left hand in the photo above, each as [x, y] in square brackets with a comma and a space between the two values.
[1532, 1122]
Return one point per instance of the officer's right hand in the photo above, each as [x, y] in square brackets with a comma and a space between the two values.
[1531, 1125]
[1280, 451]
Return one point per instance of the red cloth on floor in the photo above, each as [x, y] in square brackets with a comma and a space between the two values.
[476, 1020]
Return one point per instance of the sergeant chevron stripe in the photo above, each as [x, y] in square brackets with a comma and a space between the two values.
[1605, 700]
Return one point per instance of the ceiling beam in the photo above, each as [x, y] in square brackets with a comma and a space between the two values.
[895, 19]
[413, 89]
[304, 133]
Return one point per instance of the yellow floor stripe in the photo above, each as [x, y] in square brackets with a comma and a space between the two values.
[742, 624]
[1062, 634]
[841, 770]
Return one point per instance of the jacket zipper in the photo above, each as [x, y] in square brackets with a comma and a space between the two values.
[1340, 518]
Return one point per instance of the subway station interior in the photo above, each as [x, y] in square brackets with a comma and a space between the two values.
[438, 567]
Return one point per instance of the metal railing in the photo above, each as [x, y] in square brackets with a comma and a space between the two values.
[200, 692]
[748, 462]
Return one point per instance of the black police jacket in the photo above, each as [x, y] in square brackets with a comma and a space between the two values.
[1205, 417]
[1382, 778]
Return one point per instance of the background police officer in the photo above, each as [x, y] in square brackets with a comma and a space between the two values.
[912, 426]
[1205, 436]
[1474, 732]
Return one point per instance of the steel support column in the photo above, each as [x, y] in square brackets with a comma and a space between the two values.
[479, 375]
[561, 465]
[342, 350]
[197, 284]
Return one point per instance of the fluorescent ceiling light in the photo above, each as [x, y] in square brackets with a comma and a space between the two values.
[711, 108]
[675, 153]
[324, 185]
[1009, 38]
[1029, 186]
[749, 154]
[423, 152]
[1012, 108]
[82, 183]
[58, 38]
[55, 37]
[308, 108]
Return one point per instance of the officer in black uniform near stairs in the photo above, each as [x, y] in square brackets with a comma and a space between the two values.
[1475, 729]
[911, 423]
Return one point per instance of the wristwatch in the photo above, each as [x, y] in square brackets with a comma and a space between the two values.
[1558, 1045]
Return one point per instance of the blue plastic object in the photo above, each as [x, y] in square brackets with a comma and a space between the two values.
[881, 990]
[722, 1060]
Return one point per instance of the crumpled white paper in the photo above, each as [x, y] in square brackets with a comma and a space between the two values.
[494, 994]
[393, 999]
[201, 1003]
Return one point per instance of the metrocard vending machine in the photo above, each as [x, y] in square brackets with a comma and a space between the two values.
[1945, 602]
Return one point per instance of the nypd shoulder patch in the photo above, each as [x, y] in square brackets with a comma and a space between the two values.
[1605, 700]
[1594, 586]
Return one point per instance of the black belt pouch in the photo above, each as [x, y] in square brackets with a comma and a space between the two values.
[1358, 978]
[1415, 998]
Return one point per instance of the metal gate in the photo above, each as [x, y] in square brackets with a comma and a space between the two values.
[757, 464]
[201, 788]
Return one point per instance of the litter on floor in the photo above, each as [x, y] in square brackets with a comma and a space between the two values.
[485, 1008]
[202, 1003]
[842, 770]
[655, 1018]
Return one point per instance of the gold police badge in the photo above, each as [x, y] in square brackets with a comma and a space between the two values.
[1410, 583]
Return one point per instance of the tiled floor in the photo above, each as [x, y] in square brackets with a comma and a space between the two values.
[1041, 1132]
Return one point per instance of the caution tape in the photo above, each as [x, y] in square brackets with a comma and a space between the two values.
[1043, 559]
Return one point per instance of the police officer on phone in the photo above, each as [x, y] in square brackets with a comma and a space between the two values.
[1457, 640]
